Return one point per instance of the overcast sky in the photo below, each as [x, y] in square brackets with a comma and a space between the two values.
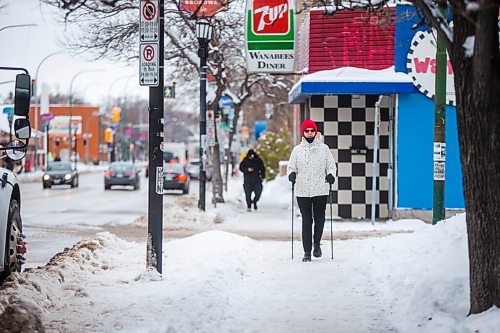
[27, 46]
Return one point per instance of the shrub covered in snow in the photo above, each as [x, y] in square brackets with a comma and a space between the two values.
[273, 147]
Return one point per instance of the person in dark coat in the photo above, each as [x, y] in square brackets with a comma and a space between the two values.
[254, 172]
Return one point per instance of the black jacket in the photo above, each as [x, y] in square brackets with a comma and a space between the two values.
[253, 169]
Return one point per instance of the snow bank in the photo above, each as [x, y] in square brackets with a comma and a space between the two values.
[425, 277]
[217, 281]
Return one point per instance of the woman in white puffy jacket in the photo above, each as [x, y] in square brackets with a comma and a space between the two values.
[311, 168]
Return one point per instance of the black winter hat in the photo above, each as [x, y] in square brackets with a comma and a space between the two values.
[251, 153]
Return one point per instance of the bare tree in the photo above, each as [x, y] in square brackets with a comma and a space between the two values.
[110, 29]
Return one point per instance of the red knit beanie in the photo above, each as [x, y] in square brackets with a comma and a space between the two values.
[308, 123]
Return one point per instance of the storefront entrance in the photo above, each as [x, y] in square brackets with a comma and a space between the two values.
[347, 124]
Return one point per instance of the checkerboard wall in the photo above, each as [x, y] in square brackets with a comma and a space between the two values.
[346, 123]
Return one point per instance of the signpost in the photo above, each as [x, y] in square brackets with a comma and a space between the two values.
[151, 59]
[149, 34]
[149, 65]
[149, 27]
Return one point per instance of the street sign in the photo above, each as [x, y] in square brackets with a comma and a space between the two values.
[159, 180]
[47, 116]
[211, 136]
[210, 118]
[149, 27]
[149, 68]
[203, 8]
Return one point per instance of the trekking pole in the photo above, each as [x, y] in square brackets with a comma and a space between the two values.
[331, 219]
[293, 190]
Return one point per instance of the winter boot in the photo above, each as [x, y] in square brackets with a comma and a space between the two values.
[317, 251]
[255, 205]
[307, 257]
[249, 209]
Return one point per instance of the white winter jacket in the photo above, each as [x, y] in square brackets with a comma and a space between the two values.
[311, 162]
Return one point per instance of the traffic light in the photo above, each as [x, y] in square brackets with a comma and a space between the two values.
[108, 135]
[115, 114]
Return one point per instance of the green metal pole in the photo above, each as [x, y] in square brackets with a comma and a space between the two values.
[438, 212]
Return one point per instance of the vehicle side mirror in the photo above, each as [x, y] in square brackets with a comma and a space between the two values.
[22, 95]
[16, 150]
[22, 129]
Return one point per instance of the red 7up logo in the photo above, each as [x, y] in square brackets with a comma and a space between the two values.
[270, 16]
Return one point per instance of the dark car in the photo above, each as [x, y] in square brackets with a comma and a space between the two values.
[60, 173]
[122, 173]
[175, 177]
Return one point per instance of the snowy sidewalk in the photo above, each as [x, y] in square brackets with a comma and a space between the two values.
[221, 282]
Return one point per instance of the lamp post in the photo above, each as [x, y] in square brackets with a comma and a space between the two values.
[36, 104]
[204, 34]
[70, 138]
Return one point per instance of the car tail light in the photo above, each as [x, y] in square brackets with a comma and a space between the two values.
[182, 177]
[107, 174]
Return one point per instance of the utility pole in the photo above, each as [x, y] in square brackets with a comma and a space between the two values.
[438, 211]
[151, 68]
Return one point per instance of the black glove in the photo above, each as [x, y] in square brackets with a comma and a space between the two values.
[292, 176]
[330, 179]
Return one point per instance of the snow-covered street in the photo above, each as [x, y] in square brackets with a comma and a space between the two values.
[219, 281]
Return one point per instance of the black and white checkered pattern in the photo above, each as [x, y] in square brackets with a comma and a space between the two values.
[347, 123]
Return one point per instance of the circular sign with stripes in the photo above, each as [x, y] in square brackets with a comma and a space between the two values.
[421, 66]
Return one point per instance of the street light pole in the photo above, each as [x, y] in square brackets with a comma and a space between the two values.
[36, 104]
[204, 34]
[70, 138]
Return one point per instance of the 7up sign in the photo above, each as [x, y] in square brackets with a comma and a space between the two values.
[270, 36]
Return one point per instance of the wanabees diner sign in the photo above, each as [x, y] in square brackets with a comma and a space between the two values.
[270, 36]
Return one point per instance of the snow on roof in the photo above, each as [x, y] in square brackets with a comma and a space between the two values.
[351, 80]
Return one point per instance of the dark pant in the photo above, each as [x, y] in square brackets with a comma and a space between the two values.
[310, 207]
[250, 187]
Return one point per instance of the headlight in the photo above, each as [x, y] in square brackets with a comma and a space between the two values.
[46, 177]
[67, 176]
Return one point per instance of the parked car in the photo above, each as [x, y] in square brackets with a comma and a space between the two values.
[60, 173]
[12, 244]
[194, 170]
[122, 173]
[175, 177]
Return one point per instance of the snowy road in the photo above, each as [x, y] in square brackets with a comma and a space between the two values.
[88, 205]
[59, 217]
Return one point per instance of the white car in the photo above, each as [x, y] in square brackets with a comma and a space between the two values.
[193, 170]
[12, 244]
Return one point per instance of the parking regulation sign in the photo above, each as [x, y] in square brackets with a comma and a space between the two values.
[149, 27]
[149, 64]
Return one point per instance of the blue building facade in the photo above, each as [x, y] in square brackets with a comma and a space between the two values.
[415, 134]
[343, 102]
